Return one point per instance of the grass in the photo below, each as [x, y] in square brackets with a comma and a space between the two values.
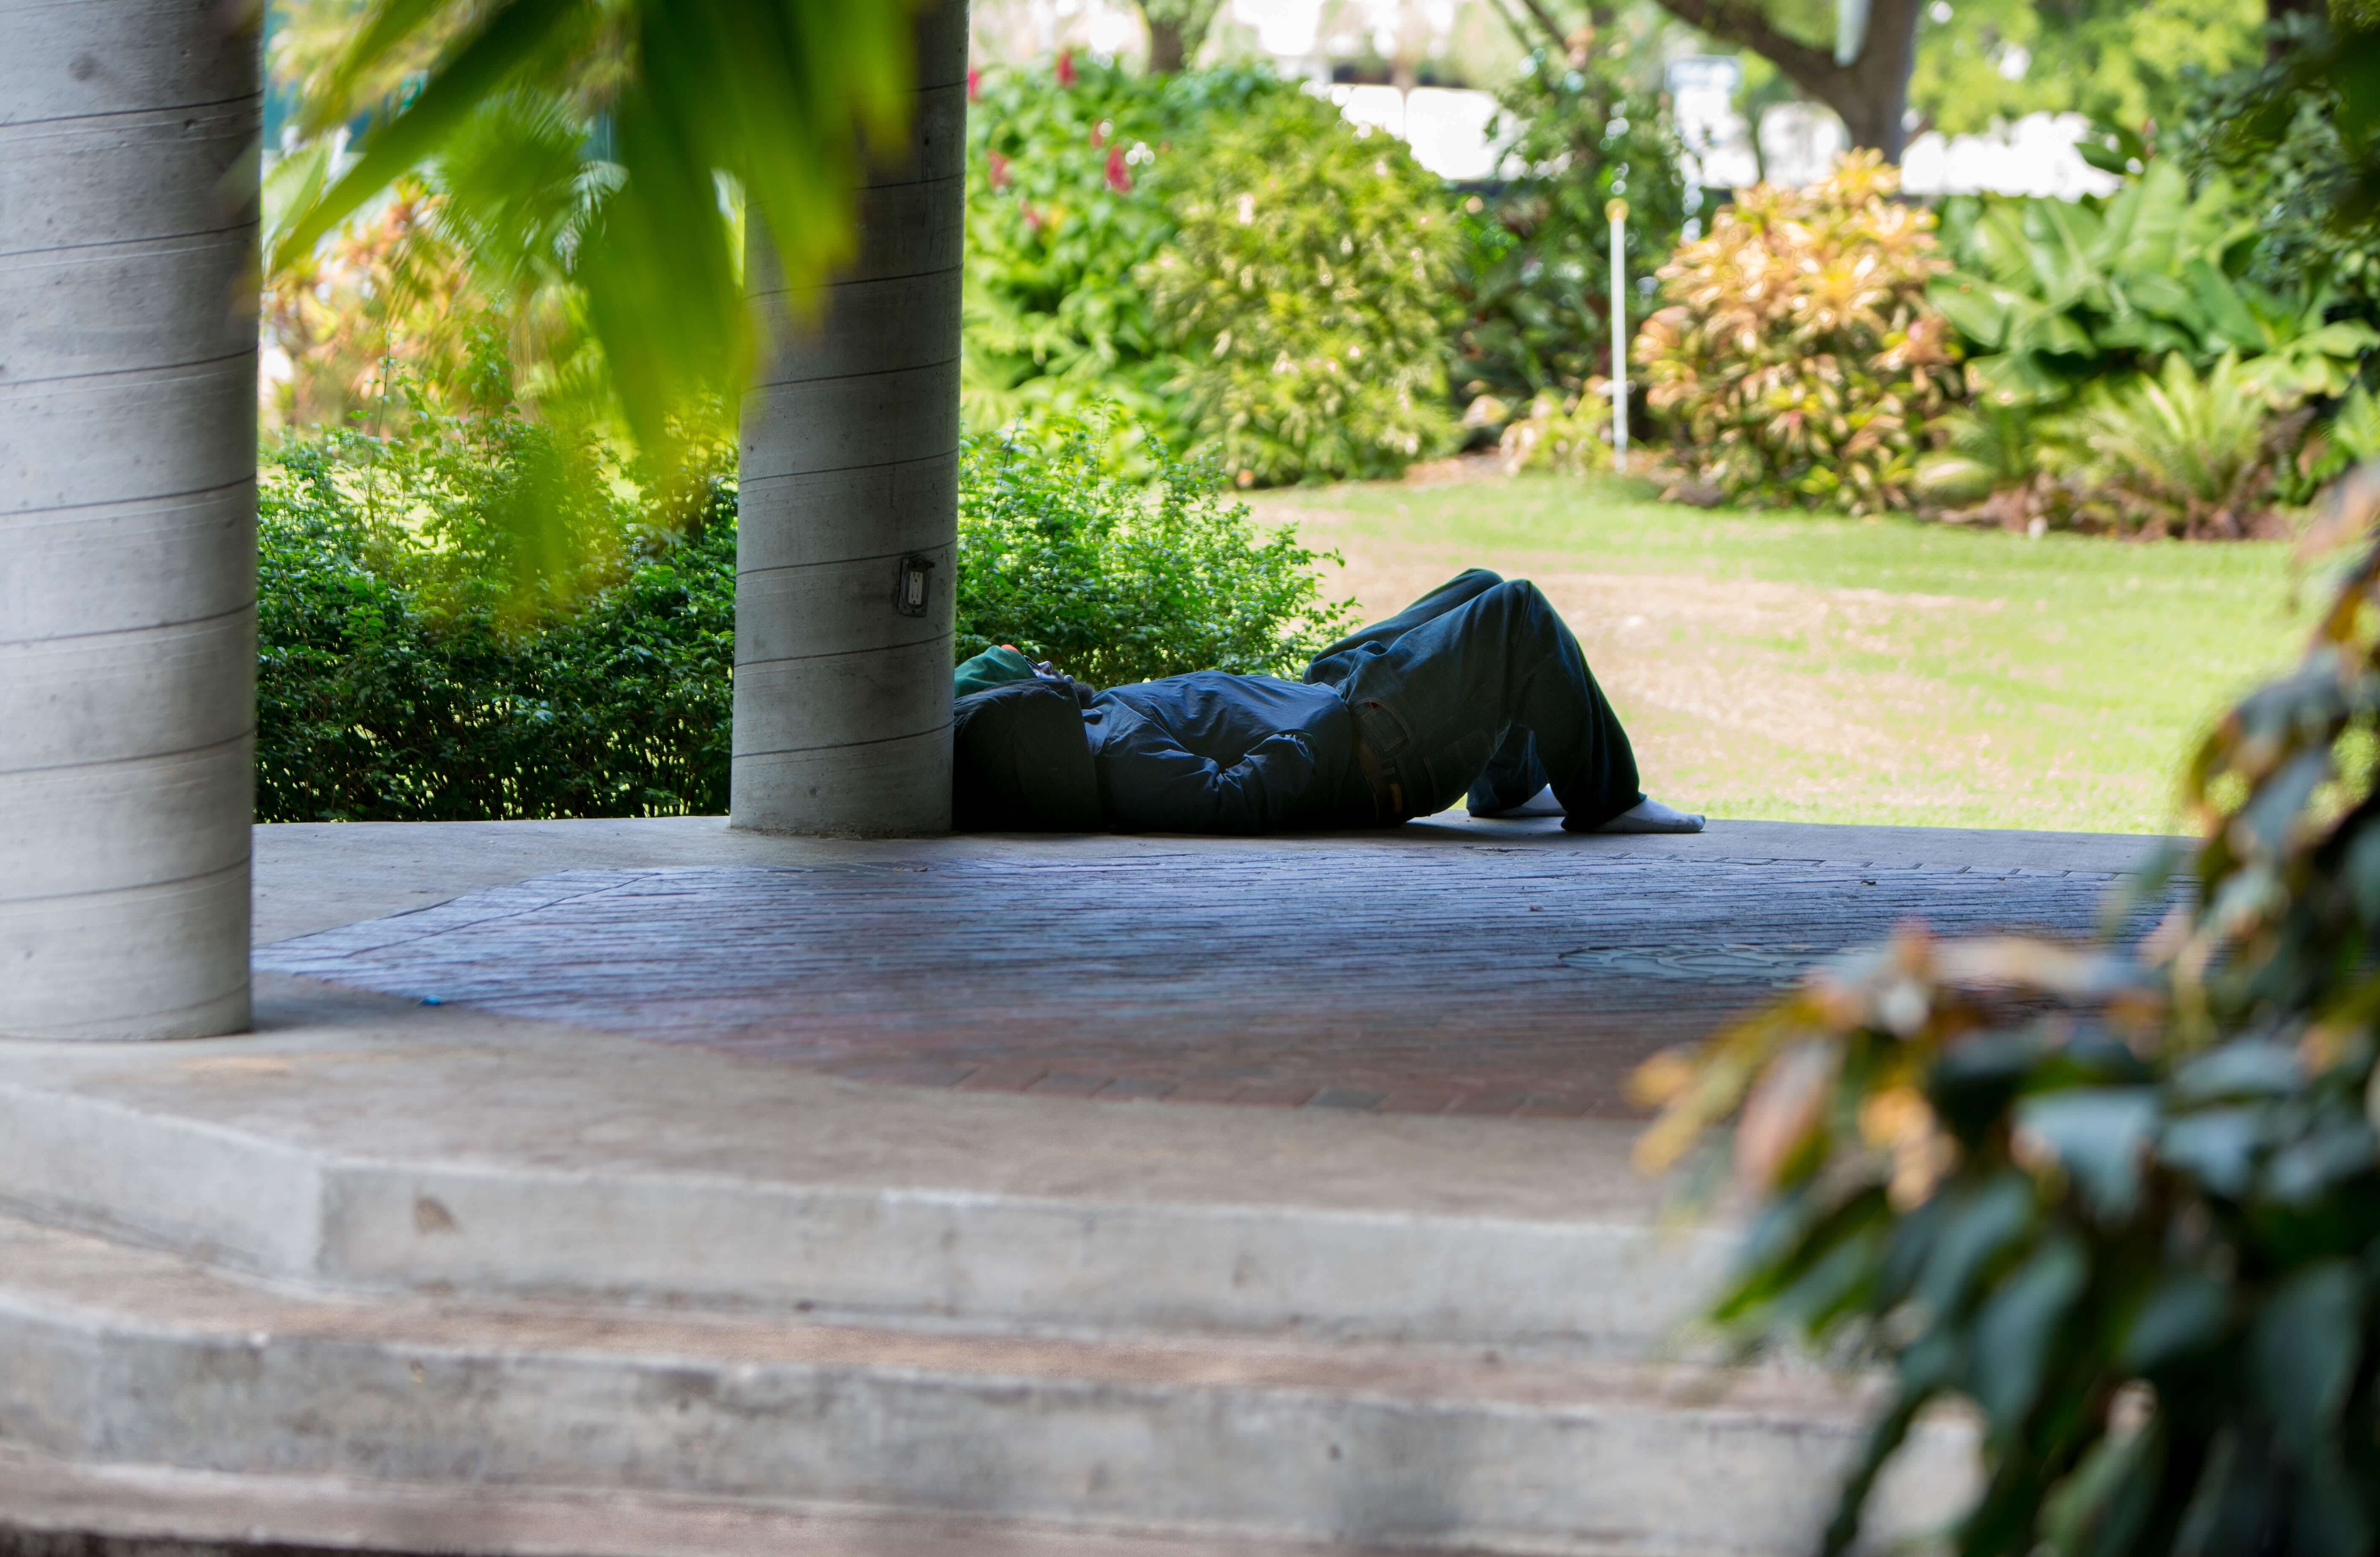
[1786, 666]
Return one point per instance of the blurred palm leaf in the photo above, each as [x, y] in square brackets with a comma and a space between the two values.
[2192, 451]
[519, 197]
[778, 102]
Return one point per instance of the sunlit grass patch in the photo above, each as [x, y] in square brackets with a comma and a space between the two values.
[1786, 666]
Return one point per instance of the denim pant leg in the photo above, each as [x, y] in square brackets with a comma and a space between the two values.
[1334, 665]
[1514, 773]
[1447, 699]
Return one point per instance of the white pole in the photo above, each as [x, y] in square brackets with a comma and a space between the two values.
[1618, 211]
[847, 530]
[127, 517]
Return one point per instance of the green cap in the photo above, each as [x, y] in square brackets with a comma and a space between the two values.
[996, 666]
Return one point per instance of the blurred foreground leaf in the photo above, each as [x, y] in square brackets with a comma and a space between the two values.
[2121, 1198]
[702, 109]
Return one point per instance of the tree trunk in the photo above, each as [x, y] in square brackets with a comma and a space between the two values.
[1167, 54]
[1873, 103]
[1177, 31]
[127, 517]
[1871, 94]
[848, 515]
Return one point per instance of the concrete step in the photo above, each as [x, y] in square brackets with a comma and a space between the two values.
[381, 1146]
[147, 1372]
[56, 1508]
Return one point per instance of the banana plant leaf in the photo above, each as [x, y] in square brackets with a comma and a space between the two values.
[2051, 296]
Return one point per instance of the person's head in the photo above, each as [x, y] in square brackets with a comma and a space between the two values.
[1021, 761]
[996, 666]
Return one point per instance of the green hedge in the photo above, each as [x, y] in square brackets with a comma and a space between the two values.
[1219, 250]
[1119, 580]
[1309, 295]
[471, 622]
[378, 699]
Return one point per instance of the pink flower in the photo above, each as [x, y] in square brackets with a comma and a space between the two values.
[1097, 135]
[974, 84]
[1066, 67]
[999, 171]
[1032, 219]
[1119, 175]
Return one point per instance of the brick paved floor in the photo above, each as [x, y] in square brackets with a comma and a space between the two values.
[1469, 978]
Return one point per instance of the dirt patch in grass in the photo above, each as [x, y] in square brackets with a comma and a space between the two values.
[1978, 687]
[1739, 691]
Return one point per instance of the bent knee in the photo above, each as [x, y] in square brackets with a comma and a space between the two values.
[1527, 608]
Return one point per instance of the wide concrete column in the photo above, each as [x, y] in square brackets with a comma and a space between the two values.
[127, 504]
[848, 518]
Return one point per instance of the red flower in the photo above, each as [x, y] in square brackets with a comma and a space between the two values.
[974, 84]
[1066, 67]
[1097, 136]
[1032, 219]
[1119, 175]
[999, 171]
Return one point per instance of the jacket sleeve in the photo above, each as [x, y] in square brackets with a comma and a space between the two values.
[1150, 783]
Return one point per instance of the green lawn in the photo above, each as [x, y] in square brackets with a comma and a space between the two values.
[1833, 670]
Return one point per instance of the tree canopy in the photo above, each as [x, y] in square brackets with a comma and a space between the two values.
[2118, 60]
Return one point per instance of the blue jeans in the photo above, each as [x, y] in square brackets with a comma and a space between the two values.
[1479, 687]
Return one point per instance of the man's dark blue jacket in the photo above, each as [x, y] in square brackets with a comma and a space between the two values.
[1210, 752]
[1475, 689]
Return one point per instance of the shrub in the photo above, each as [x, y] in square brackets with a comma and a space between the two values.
[1566, 437]
[1988, 452]
[1119, 580]
[2091, 326]
[1308, 296]
[402, 677]
[2294, 133]
[386, 294]
[1578, 128]
[1797, 361]
[2123, 1200]
[2178, 453]
[1106, 261]
[1067, 176]
[2054, 296]
[2352, 433]
[2175, 453]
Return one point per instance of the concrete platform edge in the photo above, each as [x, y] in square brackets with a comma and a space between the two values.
[56, 1508]
[123, 1358]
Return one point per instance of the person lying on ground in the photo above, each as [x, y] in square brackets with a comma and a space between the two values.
[1477, 690]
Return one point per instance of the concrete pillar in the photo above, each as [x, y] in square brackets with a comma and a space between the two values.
[127, 516]
[848, 518]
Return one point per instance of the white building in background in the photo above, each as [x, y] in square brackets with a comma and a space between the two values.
[1448, 131]
[1448, 127]
[2033, 156]
[1800, 140]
